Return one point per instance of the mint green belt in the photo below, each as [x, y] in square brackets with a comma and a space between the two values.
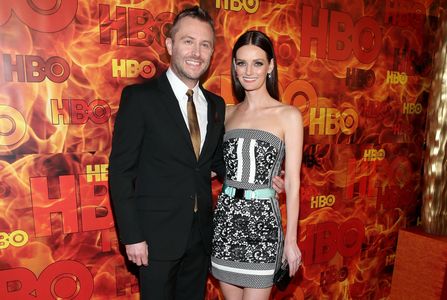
[248, 194]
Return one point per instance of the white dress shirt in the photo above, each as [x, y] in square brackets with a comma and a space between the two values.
[180, 89]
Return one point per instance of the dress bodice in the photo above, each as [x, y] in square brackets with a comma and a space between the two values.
[252, 158]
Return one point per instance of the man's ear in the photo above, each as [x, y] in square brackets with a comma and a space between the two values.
[168, 44]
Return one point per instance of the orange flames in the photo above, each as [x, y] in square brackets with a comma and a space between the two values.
[48, 149]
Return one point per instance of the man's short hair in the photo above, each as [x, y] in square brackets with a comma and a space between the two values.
[193, 12]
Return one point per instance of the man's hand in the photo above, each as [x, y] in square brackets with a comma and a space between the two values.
[278, 183]
[137, 253]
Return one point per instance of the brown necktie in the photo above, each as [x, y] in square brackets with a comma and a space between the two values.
[193, 123]
[194, 129]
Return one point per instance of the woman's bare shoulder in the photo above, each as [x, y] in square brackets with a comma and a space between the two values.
[288, 109]
[289, 113]
[230, 109]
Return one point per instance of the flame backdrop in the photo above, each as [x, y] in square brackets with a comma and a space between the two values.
[359, 71]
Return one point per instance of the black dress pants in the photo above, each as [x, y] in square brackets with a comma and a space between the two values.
[182, 279]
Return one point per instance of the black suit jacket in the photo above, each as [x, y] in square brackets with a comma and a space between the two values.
[153, 172]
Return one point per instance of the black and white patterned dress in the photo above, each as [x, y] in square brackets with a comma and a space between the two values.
[248, 237]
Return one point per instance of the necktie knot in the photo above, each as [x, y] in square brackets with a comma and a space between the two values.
[189, 93]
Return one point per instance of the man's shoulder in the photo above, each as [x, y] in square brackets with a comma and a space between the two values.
[210, 94]
[146, 86]
[215, 97]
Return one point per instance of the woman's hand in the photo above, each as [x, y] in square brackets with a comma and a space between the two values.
[293, 256]
[278, 184]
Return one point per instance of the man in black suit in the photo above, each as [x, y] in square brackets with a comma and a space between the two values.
[160, 172]
[167, 140]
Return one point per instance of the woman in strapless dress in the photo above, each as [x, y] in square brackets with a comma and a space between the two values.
[261, 133]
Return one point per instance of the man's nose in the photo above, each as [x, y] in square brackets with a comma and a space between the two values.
[196, 50]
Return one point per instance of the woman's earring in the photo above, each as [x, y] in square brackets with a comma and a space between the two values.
[269, 75]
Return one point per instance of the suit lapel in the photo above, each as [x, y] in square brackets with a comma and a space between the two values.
[173, 108]
[210, 126]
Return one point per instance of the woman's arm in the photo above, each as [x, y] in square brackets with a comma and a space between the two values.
[293, 138]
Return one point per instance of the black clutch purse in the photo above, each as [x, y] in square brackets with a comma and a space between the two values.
[282, 278]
